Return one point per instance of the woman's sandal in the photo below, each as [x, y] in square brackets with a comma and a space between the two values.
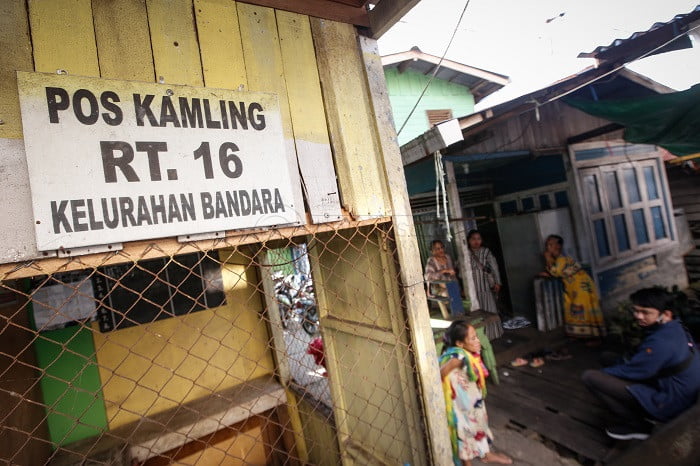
[519, 362]
[537, 362]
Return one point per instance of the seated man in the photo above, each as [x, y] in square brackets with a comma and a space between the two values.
[660, 381]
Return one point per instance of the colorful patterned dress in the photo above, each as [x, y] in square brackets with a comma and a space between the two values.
[465, 390]
[434, 271]
[582, 315]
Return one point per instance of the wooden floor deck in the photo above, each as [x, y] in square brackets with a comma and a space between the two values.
[550, 400]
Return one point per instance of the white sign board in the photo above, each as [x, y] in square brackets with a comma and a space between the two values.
[113, 161]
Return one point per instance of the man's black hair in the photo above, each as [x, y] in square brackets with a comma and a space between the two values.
[655, 297]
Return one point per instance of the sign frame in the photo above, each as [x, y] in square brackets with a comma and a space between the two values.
[113, 161]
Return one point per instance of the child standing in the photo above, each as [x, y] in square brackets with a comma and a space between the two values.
[464, 386]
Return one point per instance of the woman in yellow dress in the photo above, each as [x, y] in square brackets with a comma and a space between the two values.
[582, 315]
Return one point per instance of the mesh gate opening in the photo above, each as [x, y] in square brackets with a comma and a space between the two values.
[279, 351]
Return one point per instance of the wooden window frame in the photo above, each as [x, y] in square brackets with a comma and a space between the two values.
[608, 213]
[621, 155]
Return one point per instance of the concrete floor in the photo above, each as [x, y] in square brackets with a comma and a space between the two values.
[305, 372]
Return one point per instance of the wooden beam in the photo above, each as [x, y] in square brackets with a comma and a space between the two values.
[475, 90]
[386, 13]
[460, 238]
[350, 118]
[422, 147]
[351, 2]
[410, 266]
[148, 438]
[609, 128]
[16, 56]
[167, 247]
[320, 9]
[279, 345]
[683, 158]
[403, 66]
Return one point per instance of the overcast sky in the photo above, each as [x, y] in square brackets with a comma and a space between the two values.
[515, 38]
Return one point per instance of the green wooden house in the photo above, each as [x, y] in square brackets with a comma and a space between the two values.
[453, 91]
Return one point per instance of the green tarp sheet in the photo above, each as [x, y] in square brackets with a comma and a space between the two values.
[671, 121]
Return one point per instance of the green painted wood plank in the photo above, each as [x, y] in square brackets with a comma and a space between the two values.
[71, 384]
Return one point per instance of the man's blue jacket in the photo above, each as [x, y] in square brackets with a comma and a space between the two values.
[662, 397]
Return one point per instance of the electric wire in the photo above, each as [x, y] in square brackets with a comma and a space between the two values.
[591, 81]
[538, 104]
[616, 69]
[437, 67]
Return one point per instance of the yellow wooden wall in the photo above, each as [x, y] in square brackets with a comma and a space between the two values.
[214, 43]
[150, 368]
[229, 452]
[323, 451]
[317, 70]
[359, 303]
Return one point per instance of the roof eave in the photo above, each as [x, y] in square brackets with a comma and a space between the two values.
[372, 23]
[386, 13]
[659, 38]
[417, 55]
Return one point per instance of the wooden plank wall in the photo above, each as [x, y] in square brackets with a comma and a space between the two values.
[308, 115]
[557, 122]
[409, 258]
[214, 43]
[350, 119]
[359, 305]
[14, 30]
[685, 194]
[223, 44]
[123, 26]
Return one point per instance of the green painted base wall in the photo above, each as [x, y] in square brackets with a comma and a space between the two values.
[71, 384]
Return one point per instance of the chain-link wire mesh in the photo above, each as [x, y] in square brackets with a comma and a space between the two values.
[283, 351]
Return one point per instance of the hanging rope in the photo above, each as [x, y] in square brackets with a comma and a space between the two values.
[440, 190]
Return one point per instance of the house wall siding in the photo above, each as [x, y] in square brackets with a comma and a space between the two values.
[685, 192]
[557, 122]
[404, 89]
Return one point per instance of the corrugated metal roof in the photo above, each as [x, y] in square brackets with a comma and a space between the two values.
[477, 123]
[659, 38]
[480, 82]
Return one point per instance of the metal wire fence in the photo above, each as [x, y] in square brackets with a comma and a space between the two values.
[273, 350]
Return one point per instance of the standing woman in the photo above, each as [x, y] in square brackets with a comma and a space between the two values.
[464, 386]
[487, 279]
[582, 315]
